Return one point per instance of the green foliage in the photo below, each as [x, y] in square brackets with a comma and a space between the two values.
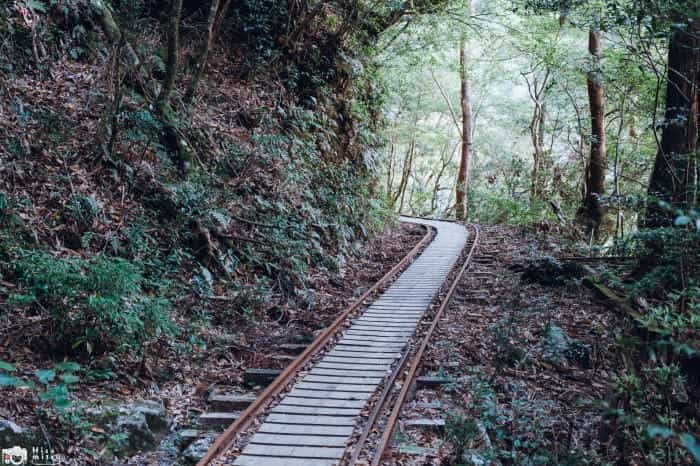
[95, 305]
[520, 432]
[84, 210]
[510, 350]
[649, 415]
[460, 431]
[259, 24]
[61, 26]
[54, 383]
[650, 402]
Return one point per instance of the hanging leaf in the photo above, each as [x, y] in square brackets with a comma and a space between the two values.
[46, 376]
[35, 5]
[6, 366]
[7, 381]
[682, 221]
[690, 442]
[659, 431]
[67, 366]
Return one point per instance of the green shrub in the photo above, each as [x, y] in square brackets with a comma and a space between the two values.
[55, 382]
[84, 210]
[94, 305]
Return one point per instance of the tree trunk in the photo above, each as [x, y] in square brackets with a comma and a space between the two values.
[221, 17]
[463, 173]
[406, 175]
[674, 175]
[173, 51]
[594, 210]
[202, 62]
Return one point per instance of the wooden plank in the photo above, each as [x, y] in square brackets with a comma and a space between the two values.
[302, 429]
[310, 420]
[349, 379]
[382, 330]
[376, 338]
[435, 425]
[391, 318]
[364, 341]
[258, 376]
[364, 354]
[342, 369]
[360, 328]
[248, 460]
[222, 402]
[215, 419]
[322, 403]
[361, 361]
[305, 410]
[350, 388]
[370, 346]
[431, 382]
[383, 351]
[329, 394]
[295, 452]
[299, 440]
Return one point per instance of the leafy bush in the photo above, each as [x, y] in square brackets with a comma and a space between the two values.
[651, 403]
[95, 305]
[84, 210]
[55, 382]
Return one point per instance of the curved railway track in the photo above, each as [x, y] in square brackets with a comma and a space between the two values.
[318, 405]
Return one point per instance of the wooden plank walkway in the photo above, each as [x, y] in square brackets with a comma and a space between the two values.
[314, 421]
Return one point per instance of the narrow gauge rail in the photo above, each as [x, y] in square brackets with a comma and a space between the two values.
[310, 425]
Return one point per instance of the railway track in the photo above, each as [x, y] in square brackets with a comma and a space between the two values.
[316, 412]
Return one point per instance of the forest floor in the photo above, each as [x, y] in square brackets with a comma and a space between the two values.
[529, 356]
[183, 379]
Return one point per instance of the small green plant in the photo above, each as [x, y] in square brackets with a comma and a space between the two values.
[55, 383]
[84, 210]
[461, 431]
[4, 206]
[509, 353]
[95, 305]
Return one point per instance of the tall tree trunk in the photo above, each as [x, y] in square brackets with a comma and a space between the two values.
[173, 51]
[594, 210]
[202, 62]
[406, 175]
[465, 159]
[674, 174]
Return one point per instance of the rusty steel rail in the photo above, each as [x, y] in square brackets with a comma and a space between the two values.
[389, 429]
[224, 441]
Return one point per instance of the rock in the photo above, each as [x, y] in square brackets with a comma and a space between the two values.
[197, 450]
[11, 434]
[138, 426]
[185, 437]
[134, 434]
[154, 413]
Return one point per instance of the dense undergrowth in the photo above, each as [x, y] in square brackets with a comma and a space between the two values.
[115, 245]
[653, 411]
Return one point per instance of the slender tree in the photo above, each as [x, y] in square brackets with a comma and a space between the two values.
[461, 193]
[674, 174]
[216, 10]
[593, 208]
[173, 51]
